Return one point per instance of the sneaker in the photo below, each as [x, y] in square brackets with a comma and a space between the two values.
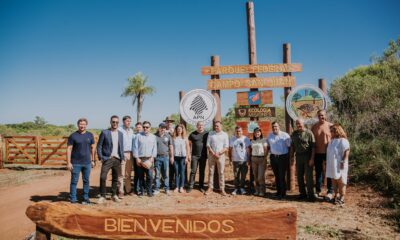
[242, 191]
[176, 190]
[150, 194]
[101, 200]
[261, 194]
[168, 192]
[234, 192]
[115, 198]
[223, 193]
[181, 190]
[209, 191]
[256, 193]
[121, 196]
[329, 197]
[73, 202]
[301, 197]
[87, 202]
[189, 190]
[156, 192]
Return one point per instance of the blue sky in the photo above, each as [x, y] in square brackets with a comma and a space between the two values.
[67, 59]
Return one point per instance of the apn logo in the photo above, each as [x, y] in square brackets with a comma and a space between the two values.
[198, 105]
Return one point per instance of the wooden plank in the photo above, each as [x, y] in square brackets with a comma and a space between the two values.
[43, 159]
[33, 137]
[265, 127]
[237, 83]
[261, 112]
[254, 98]
[27, 155]
[277, 221]
[254, 68]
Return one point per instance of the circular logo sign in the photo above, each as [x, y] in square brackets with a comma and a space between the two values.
[304, 102]
[198, 105]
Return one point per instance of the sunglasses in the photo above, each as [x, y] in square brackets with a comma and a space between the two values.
[114, 122]
[146, 127]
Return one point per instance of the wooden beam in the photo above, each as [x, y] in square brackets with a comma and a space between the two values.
[238, 83]
[181, 94]
[256, 68]
[290, 176]
[265, 221]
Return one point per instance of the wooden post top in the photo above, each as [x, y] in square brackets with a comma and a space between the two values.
[276, 221]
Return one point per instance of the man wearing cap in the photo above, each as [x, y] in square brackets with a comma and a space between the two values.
[164, 158]
[145, 151]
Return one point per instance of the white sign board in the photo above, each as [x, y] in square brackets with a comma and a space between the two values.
[198, 105]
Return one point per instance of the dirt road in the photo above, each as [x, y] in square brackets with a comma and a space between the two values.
[14, 200]
[365, 215]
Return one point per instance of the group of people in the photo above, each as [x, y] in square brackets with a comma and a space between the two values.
[160, 159]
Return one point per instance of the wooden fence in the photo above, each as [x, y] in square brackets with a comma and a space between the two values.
[36, 150]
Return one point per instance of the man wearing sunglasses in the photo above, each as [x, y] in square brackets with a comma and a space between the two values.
[110, 150]
[145, 151]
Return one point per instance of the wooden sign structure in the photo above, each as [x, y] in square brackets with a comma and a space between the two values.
[276, 221]
[248, 127]
[254, 98]
[254, 112]
[253, 68]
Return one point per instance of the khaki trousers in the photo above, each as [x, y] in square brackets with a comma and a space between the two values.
[220, 169]
[124, 179]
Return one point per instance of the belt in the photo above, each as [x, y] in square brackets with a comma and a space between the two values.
[162, 155]
[279, 155]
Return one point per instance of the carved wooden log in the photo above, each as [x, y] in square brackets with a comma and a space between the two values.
[259, 222]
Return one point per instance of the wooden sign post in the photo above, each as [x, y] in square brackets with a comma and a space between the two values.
[277, 221]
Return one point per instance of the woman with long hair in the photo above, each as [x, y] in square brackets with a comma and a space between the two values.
[337, 162]
[258, 161]
[181, 156]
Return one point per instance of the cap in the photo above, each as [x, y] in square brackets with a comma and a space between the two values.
[162, 125]
[169, 119]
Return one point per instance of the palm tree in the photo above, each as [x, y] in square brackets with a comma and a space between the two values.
[137, 89]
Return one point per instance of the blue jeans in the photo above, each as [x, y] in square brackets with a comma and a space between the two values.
[145, 179]
[77, 169]
[162, 168]
[179, 164]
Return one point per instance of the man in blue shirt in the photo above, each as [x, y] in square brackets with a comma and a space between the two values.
[145, 151]
[80, 158]
[110, 150]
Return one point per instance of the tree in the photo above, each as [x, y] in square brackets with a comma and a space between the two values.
[137, 89]
[314, 94]
[39, 121]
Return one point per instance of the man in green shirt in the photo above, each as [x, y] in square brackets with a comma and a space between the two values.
[303, 143]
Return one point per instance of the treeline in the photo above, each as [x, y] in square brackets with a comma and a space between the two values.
[366, 101]
[39, 127]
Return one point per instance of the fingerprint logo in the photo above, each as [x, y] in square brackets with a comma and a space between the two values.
[198, 105]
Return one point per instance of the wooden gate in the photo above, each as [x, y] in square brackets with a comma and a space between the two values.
[21, 150]
[52, 151]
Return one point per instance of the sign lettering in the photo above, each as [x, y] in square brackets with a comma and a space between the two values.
[255, 112]
[256, 68]
[236, 83]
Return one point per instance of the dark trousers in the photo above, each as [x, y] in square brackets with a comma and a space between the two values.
[279, 164]
[304, 170]
[115, 165]
[251, 181]
[135, 177]
[145, 179]
[171, 176]
[197, 162]
[239, 172]
[319, 161]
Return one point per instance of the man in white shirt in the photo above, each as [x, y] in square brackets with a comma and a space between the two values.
[278, 146]
[239, 149]
[217, 145]
[124, 179]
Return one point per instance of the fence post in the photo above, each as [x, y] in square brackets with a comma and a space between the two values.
[38, 150]
[1, 152]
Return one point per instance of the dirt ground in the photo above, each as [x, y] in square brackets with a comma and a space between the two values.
[365, 215]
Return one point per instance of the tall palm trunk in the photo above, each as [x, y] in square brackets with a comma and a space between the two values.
[139, 107]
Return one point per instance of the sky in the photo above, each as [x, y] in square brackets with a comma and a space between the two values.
[67, 59]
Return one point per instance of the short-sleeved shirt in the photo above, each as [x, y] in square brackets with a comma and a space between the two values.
[180, 147]
[81, 144]
[257, 147]
[239, 147]
[303, 142]
[163, 143]
[199, 142]
[279, 144]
